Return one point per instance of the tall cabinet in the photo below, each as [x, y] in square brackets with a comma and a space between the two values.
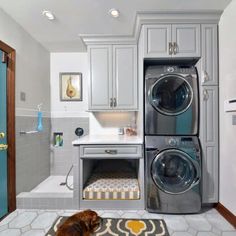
[209, 113]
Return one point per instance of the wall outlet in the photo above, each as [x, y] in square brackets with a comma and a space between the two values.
[22, 96]
[233, 119]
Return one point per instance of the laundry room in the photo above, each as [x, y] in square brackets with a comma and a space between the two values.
[126, 109]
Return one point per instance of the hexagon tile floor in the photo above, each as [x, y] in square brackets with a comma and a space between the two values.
[37, 222]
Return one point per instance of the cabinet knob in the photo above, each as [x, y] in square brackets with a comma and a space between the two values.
[111, 102]
[170, 48]
[175, 48]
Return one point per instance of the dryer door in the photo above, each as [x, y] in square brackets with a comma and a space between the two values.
[171, 95]
[174, 171]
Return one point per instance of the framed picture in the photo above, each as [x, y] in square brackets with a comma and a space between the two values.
[71, 86]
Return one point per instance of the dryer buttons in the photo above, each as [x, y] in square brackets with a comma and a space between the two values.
[172, 142]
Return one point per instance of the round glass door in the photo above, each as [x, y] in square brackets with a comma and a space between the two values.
[173, 171]
[171, 95]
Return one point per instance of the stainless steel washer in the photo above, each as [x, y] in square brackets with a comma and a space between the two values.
[173, 174]
[171, 100]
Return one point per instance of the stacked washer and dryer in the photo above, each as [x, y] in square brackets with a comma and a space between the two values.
[172, 150]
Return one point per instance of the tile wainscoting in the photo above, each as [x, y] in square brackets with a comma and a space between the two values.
[61, 157]
[32, 153]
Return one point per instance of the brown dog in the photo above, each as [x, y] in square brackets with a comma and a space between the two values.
[80, 224]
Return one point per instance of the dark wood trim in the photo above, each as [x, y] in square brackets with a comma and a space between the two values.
[228, 215]
[11, 55]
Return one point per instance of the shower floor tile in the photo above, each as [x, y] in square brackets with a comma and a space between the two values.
[52, 185]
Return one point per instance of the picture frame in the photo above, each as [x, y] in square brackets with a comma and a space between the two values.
[71, 86]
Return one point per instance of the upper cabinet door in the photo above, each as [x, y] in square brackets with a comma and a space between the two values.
[157, 40]
[209, 60]
[186, 40]
[100, 87]
[125, 77]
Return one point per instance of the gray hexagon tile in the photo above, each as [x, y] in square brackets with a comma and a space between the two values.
[110, 215]
[176, 222]
[23, 220]
[206, 234]
[152, 216]
[229, 233]
[44, 220]
[3, 227]
[34, 233]
[9, 218]
[220, 223]
[181, 234]
[198, 222]
[10, 232]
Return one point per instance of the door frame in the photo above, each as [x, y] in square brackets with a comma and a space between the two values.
[11, 153]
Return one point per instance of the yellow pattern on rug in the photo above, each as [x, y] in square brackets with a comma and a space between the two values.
[136, 227]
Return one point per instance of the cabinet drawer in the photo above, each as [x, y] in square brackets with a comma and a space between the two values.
[111, 151]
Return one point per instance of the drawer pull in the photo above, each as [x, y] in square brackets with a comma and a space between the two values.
[112, 152]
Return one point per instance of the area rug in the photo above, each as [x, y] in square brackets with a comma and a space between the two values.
[123, 227]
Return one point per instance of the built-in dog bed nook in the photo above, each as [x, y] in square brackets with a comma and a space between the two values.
[112, 180]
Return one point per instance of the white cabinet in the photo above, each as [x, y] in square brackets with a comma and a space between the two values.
[209, 58]
[113, 77]
[176, 40]
[100, 87]
[209, 143]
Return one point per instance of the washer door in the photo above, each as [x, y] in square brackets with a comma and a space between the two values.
[174, 171]
[171, 95]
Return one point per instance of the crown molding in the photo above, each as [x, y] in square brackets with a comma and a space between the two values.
[154, 17]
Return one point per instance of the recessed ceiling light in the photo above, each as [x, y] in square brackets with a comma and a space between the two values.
[114, 13]
[48, 14]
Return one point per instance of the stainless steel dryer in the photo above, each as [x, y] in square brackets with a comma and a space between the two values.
[171, 100]
[173, 174]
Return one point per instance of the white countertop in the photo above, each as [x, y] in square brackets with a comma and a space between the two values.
[108, 139]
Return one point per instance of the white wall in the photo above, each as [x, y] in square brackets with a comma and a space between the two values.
[32, 67]
[227, 61]
[68, 62]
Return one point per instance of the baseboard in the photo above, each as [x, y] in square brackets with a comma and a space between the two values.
[228, 215]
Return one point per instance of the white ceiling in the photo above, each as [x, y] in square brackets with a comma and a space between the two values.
[74, 17]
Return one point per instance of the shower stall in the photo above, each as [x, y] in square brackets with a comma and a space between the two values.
[44, 167]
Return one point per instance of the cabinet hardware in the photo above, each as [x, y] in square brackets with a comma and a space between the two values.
[3, 147]
[2, 135]
[205, 95]
[175, 47]
[112, 152]
[205, 76]
[170, 48]
[111, 102]
[114, 102]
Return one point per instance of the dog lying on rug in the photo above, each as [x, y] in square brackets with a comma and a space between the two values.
[80, 224]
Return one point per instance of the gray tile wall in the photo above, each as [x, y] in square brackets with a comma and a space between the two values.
[32, 153]
[61, 157]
